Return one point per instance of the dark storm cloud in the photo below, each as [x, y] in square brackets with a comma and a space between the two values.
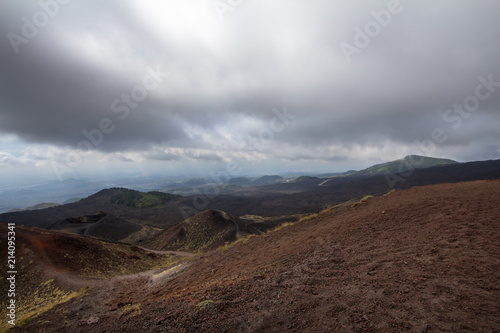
[262, 56]
[50, 95]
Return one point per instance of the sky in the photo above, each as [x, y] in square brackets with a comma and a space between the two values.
[171, 87]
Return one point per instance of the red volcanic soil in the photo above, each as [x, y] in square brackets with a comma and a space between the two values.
[425, 259]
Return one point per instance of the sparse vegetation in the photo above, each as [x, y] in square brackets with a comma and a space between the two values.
[145, 233]
[41, 299]
[308, 217]
[284, 225]
[324, 211]
[245, 240]
[266, 223]
[203, 304]
[131, 310]
[281, 226]
[197, 236]
[76, 256]
[253, 218]
[364, 199]
[201, 232]
[288, 224]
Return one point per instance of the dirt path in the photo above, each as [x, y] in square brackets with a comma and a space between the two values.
[324, 182]
[112, 296]
[173, 253]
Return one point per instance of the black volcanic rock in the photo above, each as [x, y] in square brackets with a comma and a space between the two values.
[99, 225]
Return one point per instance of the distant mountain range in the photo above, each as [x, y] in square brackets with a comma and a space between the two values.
[401, 165]
[35, 207]
[131, 216]
[268, 180]
[243, 181]
[58, 192]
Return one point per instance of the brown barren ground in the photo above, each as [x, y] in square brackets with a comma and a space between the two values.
[425, 259]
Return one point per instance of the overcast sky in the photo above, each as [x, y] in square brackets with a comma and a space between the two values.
[190, 86]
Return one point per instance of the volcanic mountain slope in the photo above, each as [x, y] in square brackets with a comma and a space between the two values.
[54, 267]
[425, 259]
[161, 216]
[102, 226]
[309, 197]
[280, 199]
[410, 161]
[207, 230]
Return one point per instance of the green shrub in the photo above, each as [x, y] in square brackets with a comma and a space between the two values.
[308, 217]
[364, 199]
[203, 304]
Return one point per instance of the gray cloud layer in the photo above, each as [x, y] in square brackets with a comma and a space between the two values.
[225, 77]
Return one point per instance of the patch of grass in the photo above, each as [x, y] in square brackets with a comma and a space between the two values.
[281, 226]
[324, 211]
[243, 240]
[343, 204]
[203, 304]
[133, 310]
[145, 232]
[272, 219]
[364, 199]
[308, 217]
[253, 218]
[288, 224]
[247, 238]
[197, 235]
[284, 225]
[43, 299]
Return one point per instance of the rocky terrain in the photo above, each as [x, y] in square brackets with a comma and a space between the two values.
[426, 259]
[205, 231]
